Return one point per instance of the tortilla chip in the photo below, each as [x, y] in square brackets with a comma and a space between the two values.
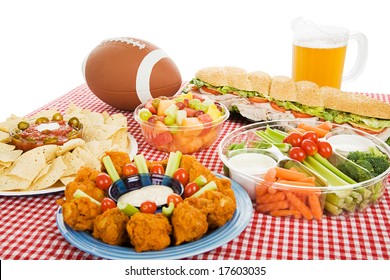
[9, 156]
[121, 139]
[98, 148]
[6, 147]
[28, 165]
[88, 159]
[10, 123]
[49, 151]
[70, 145]
[73, 164]
[4, 137]
[117, 119]
[10, 182]
[54, 173]
[67, 180]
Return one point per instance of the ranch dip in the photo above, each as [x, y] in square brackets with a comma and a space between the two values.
[156, 193]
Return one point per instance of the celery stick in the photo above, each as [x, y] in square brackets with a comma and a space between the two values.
[140, 162]
[265, 136]
[333, 209]
[363, 205]
[168, 211]
[173, 163]
[275, 134]
[211, 186]
[365, 193]
[357, 197]
[331, 177]
[110, 168]
[332, 168]
[335, 200]
[127, 208]
[350, 205]
[201, 181]
[79, 193]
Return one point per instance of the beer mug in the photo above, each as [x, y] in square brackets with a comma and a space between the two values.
[319, 53]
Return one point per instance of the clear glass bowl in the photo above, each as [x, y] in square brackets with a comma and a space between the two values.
[186, 139]
[335, 200]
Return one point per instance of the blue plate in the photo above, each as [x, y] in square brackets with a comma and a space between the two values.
[241, 218]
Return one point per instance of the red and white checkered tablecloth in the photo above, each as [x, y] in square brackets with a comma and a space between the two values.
[28, 227]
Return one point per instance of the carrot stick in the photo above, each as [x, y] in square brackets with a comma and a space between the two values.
[284, 212]
[269, 178]
[319, 131]
[325, 125]
[296, 183]
[288, 174]
[261, 190]
[272, 206]
[272, 190]
[301, 207]
[298, 214]
[270, 175]
[267, 198]
[315, 206]
[308, 180]
[304, 192]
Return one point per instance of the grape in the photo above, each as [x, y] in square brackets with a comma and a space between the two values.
[153, 119]
[168, 120]
[155, 103]
[144, 114]
[194, 102]
[180, 105]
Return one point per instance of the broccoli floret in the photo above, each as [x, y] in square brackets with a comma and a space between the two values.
[353, 171]
[374, 161]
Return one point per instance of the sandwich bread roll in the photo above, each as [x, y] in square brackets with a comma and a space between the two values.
[258, 96]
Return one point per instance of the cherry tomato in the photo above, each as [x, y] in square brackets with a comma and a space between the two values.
[107, 203]
[309, 147]
[148, 207]
[190, 189]
[181, 175]
[175, 198]
[324, 149]
[129, 169]
[103, 181]
[295, 139]
[157, 169]
[311, 135]
[297, 153]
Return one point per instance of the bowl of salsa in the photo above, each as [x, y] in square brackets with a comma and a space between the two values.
[44, 131]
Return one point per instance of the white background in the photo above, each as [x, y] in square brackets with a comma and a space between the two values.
[43, 43]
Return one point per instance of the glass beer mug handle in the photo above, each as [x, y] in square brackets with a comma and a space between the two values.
[361, 57]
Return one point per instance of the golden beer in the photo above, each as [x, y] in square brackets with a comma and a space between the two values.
[323, 66]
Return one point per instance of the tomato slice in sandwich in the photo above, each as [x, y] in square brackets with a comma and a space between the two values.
[256, 99]
[366, 128]
[301, 115]
[277, 107]
[209, 90]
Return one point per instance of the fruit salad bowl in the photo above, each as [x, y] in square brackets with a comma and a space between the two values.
[185, 123]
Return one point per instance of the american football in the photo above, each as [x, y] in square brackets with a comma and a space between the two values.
[125, 72]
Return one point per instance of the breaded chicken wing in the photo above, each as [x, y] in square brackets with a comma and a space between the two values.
[195, 168]
[218, 208]
[110, 227]
[149, 232]
[85, 181]
[189, 224]
[80, 213]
